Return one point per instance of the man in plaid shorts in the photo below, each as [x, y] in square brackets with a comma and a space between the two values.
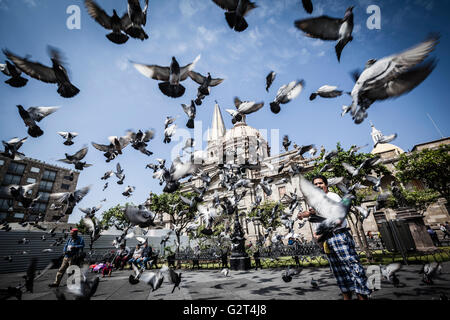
[340, 249]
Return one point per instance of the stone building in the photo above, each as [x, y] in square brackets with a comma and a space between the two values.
[235, 146]
[48, 179]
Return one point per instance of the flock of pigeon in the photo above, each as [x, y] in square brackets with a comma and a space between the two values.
[381, 79]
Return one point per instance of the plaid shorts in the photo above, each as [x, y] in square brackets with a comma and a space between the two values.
[344, 262]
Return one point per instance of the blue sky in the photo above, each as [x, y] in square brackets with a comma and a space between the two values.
[115, 97]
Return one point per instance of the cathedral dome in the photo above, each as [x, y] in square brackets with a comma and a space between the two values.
[241, 130]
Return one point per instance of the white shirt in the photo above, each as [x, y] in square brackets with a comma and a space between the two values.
[335, 197]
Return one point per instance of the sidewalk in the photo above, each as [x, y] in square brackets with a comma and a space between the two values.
[243, 285]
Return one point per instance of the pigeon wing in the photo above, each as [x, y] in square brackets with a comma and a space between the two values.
[324, 27]
[33, 69]
[80, 154]
[98, 14]
[184, 71]
[39, 113]
[197, 77]
[229, 5]
[153, 71]
[100, 147]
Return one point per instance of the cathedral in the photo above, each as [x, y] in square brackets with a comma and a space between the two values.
[237, 145]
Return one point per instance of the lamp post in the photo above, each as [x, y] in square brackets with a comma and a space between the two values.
[239, 259]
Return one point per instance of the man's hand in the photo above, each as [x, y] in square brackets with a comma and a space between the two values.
[306, 214]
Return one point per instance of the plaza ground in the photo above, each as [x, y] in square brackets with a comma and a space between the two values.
[242, 285]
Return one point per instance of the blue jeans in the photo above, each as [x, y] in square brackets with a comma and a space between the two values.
[142, 262]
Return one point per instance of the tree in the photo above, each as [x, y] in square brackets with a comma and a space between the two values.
[419, 199]
[338, 170]
[430, 166]
[180, 213]
[264, 214]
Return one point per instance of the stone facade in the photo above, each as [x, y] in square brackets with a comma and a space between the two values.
[48, 178]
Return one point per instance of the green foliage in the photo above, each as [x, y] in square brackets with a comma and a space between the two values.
[266, 211]
[418, 199]
[431, 167]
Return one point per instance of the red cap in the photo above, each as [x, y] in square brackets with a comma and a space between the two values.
[74, 229]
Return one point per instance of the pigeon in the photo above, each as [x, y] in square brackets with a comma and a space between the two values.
[355, 149]
[56, 74]
[270, 78]
[21, 194]
[429, 271]
[285, 94]
[33, 115]
[169, 132]
[90, 212]
[385, 139]
[140, 139]
[375, 181]
[225, 272]
[205, 83]
[330, 213]
[326, 92]
[308, 6]
[188, 144]
[169, 120]
[76, 158]
[243, 108]
[174, 277]
[68, 136]
[114, 148]
[171, 76]
[139, 216]
[289, 273]
[153, 279]
[389, 271]
[327, 28]
[114, 22]
[314, 283]
[137, 15]
[391, 77]
[190, 112]
[10, 70]
[12, 148]
[236, 11]
[94, 230]
[70, 199]
[86, 288]
[128, 191]
[107, 175]
[286, 142]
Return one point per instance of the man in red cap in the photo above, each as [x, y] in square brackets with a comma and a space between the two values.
[72, 249]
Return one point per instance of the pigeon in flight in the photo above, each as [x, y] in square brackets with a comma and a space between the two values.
[243, 108]
[10, 70]
[385, 139]
[114, 148]
[330, 213]
[391, 77]
[190, 112]
[153, 279]
[189, 143]
[140, 139]
[128, 191]
[139, 216]
[389, 271]
[430, 271]
[326, 92]
[169, 120]
[169, 132]
[270, 78]
[105, 186]
[33, 115]
[68, 136]
[12, 148]
[289, 273]
[70, 199]
[171, 76]
[114, 22]
[174, 278]
[55, 74]
[205, 84]
[107, 175]
[327, 28]
[286, 142]
[138, 17]
[76, 158]
[285, 94]
[236, 11]
[90, 212]
[308, 6]
[21, 194]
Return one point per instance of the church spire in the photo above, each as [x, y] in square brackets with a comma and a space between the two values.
[218, 127]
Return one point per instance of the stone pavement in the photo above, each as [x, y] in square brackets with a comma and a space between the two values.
[243, 285]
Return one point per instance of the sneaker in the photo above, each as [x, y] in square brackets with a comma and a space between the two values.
[53, 285]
